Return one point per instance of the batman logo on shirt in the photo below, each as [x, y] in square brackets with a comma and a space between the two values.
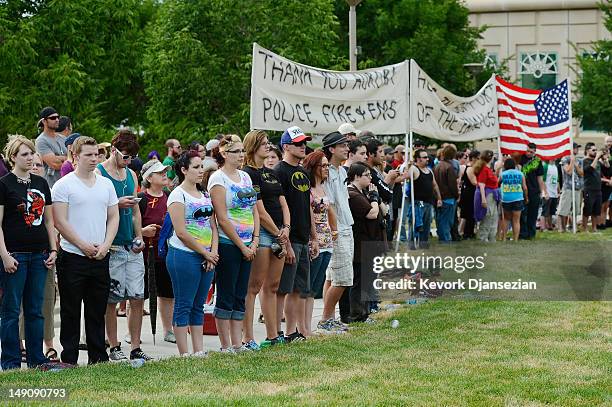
[203, 213]
[300, 181]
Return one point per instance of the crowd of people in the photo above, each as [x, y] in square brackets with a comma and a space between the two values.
[284, 223]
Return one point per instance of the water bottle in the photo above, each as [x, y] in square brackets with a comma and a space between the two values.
[136, 363]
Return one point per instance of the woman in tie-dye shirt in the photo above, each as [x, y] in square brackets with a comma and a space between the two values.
[192, 251]
[235, 201]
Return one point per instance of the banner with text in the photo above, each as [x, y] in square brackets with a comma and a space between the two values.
[285, 93]
[439, 114]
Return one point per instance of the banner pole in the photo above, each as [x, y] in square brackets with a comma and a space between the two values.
[402, 211]
[571, 132]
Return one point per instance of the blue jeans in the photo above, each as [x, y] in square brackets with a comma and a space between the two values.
[445, 216]
[190, 283]
[232, 277]
[318, 267]
[27, 284]
[423, 233]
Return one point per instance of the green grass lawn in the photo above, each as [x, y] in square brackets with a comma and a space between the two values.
[449, 351]
[445, 352]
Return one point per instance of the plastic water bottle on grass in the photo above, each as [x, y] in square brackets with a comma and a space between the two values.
[136, 363]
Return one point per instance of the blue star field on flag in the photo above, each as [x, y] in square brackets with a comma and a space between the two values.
[552, 105]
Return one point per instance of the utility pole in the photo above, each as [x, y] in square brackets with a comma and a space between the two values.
[353, 33]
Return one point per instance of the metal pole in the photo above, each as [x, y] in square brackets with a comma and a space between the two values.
[353, 37]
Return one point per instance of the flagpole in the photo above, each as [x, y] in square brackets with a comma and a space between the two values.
[406, 141]
[571, 133]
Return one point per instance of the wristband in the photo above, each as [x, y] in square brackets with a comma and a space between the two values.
[256, 236]
[52, 250]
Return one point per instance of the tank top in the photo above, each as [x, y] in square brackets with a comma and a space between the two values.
[423, 187]
[125, 233]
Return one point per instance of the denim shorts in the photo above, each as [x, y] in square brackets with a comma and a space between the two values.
[513, 206]
[127, 273]
[265, 238]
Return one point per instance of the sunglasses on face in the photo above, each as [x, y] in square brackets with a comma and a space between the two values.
[236, 151]
[126, 157]
[53, 118]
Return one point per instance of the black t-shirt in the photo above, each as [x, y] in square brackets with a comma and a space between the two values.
[606, 172]
[592, 176]
[384, 191]
[24, 206]
[296, 188]
[364, 230]
[269, 190]
[532, 170]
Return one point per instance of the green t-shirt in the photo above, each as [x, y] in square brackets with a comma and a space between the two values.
[170, 161]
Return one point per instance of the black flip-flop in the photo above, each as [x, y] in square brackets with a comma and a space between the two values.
[51, 354]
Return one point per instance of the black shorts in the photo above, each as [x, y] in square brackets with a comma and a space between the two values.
[592, 203]
[296, 276]
[515, 206]
[550, 206]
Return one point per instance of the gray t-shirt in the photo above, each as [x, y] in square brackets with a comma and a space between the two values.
[55, 145]
[567, 178]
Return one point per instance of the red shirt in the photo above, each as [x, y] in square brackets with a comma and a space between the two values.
[487, 177]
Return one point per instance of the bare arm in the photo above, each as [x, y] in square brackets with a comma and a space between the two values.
[112, 225]
[53, 161]
[542, 186]
[373, 214]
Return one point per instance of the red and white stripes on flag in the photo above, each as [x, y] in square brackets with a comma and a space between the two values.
[534, 116]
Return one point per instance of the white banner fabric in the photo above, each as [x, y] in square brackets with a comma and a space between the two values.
[439, 114]
[285, 93]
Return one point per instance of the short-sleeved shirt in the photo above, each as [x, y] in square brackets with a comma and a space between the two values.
[296, 188]
[592, 176]
[198, 212]
[240, 198]
[320, 205]
[87, 208]
[552, 180]
[487, 177]
[155, 208]
[512, 186]
[269, 190]
[24, 206]
[567, 178]
[532, 169]
[55, 145]
[337, 192]
[170, 162]
[66, 169]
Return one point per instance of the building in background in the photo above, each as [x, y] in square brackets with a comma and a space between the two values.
[535, 39]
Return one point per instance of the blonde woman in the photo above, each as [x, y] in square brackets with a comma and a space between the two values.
[27, 257]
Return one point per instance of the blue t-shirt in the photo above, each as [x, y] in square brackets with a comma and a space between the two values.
[512, 186]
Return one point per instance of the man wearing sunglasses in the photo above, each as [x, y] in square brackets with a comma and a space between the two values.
[50, 145]
[126, 264]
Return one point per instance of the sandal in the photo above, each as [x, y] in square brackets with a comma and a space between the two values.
[51, 354]
[145, 312]
[24, 358]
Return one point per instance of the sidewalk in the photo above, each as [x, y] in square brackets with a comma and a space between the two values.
[163, 349]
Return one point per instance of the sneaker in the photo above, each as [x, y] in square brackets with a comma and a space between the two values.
[229, 350]
[328, 327]
[271, 342]
[117, 355]
[251, 345]
[200, 354]
[341, 326]
[139, 354]
[243, 349]
[185, 355]
[295, 337]
[169, 337]
[369, 321]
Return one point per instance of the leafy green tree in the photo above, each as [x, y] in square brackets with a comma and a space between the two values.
[594, 84]
[198, 63]
[81, 56]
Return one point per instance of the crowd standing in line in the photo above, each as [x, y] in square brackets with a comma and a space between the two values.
[286, 223]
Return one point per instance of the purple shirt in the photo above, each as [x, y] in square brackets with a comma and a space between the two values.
[67, 168]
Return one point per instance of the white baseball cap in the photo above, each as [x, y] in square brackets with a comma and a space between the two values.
[346, 128]
[153, 167]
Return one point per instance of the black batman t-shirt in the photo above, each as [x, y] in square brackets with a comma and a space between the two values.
[269, 190]
[296, 188]
[24, 205]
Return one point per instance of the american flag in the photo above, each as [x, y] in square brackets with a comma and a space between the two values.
[534, 116]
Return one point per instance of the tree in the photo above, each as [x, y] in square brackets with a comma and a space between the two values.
[198, 62]
[81, 56]
[594, 86]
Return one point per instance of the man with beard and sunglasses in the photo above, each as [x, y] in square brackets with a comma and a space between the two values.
[51, 145]
[126, 264]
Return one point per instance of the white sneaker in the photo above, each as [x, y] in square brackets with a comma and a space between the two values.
[185, 355]
[229, 350]
[200, 354]
[117, 355]
[169, 337]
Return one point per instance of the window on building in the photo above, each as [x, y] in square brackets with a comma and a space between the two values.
[538, 70]
[492, 60]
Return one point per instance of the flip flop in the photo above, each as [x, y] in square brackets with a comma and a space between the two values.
[51, 354]
[23, 356]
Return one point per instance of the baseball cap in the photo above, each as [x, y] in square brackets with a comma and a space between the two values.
[71, 138]
[576, 145]
[388, 150]
[152, 167]
[294, 135]
[347, 128]
[212, 144]
[46, 112]
[334, 138]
